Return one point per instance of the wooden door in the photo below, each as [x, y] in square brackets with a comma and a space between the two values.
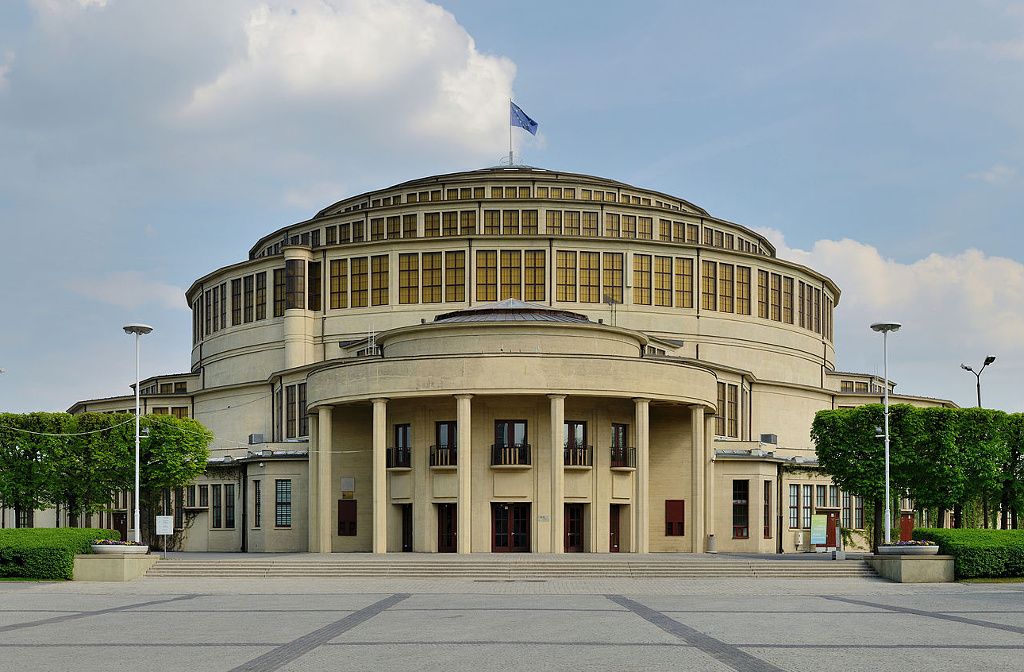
[510, 526]
[121, 524]
[613, 528]
[830, 530]
[574, 528]
[906, 526]
[447, 528]
[406, 528]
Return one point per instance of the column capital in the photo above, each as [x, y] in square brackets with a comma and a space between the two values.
[463, 396]
[641, 400]
[379, 400]
[557, 396]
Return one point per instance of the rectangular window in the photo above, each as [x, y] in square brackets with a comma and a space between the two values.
[571, 221]
[467, 222]
[762, 294]
[720, 415]
[611, 225]
[291, 416]
[833, 496]
[565, 276]
[279, 416]
[731, 408]
[743, 290]
[510, 222]
[645, 228]
[612, 277]
[794, 506]
[432, 278]
[236, 302]
[190, 496]
[642, 279]
[628, 226]
[346, 518]
[776, 297]
[339, 283]
[394, 227]
[454, 276]
[204, 496]
[709, 282]
[817, 311]
[295, 291]
[801, 312]
[819, 499]
[675, 517]
[409, 278]
[224, 305]
[360, 281]
[345, 232]
[590, 277]
[303, 412]
[432, 224]
[787, 300]
[279, 286]
[314, 298]
[858, 513]
[492, 222]
[486, 275]
[529, 222]
[450, 224]
[767, 509]
[377, 228]
[511, 275]
[725, 288]
[684, 283]
[808, 508]
[261, 295]
[536, 275]
[379, 273]
[283, 503]
[216, 510]
[589, 224]
[740, 509]
[553, 227]
[692, 233]
[229, 506]
[257, 505]
[248, 299]
[845, 520]
[663, 281]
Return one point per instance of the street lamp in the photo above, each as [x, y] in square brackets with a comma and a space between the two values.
[988, 360]
[885, 328]
[138, 330]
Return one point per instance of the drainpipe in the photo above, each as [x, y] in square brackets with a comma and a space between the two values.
[245, 507]
[778, 527]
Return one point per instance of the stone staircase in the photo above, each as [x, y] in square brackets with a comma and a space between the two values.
[522, 568]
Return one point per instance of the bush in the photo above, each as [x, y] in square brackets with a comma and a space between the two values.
[980, 553]
[39, 553]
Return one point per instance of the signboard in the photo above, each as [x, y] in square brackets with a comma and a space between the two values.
[819, 523]
[164, 525]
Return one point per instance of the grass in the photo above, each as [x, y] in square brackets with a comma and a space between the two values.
[999, 579]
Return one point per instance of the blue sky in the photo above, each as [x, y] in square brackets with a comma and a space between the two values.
[143, 144]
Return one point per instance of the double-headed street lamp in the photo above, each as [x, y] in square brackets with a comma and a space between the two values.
[885, 328]
[138, 330]
[977, 374]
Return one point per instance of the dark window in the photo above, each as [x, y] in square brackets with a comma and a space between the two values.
[346, 517]
[445, 452]
[215, 511]
[767, 509]
[191, 497]
[204, 496]
[740, 509]
[257, 505]
[279, 287]
[400, 454]
[261, 295]
[283, 503]
[236, 302]
[510, 446]
[290, 414]
[179, 508]
[303, 413]
[223, 305]
[574, 440]
[229, 506]
[315, 286]
[295, 283]
[675, 510]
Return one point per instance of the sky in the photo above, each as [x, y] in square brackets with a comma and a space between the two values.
[145, 143]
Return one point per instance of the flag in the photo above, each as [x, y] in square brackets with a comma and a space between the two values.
[520, 119]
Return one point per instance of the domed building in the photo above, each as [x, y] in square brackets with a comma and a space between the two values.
[510, 359]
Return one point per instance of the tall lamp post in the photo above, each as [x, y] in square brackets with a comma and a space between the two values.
[138, 330]
[885, 328]
[977, 374]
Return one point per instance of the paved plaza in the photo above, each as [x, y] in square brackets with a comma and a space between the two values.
[463, 624]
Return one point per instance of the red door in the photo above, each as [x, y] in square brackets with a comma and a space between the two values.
[510, 527]
[573, 528]
[906, 526]
[830, 529]
[447, 528]
[613, 529]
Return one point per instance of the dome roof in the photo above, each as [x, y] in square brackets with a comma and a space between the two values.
[511, 310]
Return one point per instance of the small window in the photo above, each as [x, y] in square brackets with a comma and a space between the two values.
[257, 505]
[204, 496]
[740, 509]
[346, 517]
[283, 503]
[674, 516]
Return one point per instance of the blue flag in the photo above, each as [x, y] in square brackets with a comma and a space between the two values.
[520, 119]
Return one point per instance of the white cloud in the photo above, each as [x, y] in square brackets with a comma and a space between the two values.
[999, 174]
[130, 289]
[953, 307]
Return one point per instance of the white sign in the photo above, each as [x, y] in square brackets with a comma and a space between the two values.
[165, 525]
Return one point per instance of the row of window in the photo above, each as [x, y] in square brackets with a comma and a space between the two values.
[176, 411]
[177, 387]
[859, 387]
[805, 498]
[291, 419]
[728, 419]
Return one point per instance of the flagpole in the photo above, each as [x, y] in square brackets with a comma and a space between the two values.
[510, 132]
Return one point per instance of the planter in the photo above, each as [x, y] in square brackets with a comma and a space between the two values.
[908, 550]
[110, 549]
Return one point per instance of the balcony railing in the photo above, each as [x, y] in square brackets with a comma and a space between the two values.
[578, 456]
[399, 458]
[623, 456]
[510, 455]
[444, 456]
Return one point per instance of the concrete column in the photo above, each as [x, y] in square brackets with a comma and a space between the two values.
[313, 479]
[380, 476]
[557, 473]
[709, 474]
[697, 503]
[298, 323]
[464, 446]
[324, 490]
[641, 494]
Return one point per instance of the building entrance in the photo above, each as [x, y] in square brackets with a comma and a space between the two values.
[510, 527]
[613, 528]
[406, 528]
[447, 528]
[574, 528]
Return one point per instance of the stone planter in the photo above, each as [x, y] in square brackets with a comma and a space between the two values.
[908, 550]
[106, 549]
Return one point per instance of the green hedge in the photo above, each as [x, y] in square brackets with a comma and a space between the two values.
[39, 553]
[980, 553]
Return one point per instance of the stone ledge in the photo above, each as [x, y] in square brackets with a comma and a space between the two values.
[112, 567]
[913, 568]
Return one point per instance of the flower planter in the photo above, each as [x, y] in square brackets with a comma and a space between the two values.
[908, 550]
[115, 549]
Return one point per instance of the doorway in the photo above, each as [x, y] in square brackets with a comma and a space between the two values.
[121, 524]
[613, 528]
[406, 527]
[574, 528]
[447, 528]
[510, 525]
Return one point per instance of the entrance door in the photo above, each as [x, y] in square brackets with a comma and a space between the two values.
[574, 528]
[121, 524]
[406, 528]
[510, 526]
[906, 526]
[613, 528]
[830, 530]
[447, 528]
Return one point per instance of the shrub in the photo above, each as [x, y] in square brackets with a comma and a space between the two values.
[980, 553]
[39, 553]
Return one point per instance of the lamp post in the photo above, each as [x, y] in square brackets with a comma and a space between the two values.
[885, 328]
[977, 374]
[138, 330]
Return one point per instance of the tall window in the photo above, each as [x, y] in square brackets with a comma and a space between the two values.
[229, 506]
[732, 426]
[536, 273]
[467, 222]
[379, 270]
[611, 225]
[743, 290]
[571, 221]
[846, 510]
[740, 509]
[291, 412]
[283, 503]
[767, 509]
[295, 292]
[224, 305]
[450, 224]
[725, 288]
[800, 301]
[279, 287]
[645, 228]
[590, 277]
[794, 506]
[662, 281]
[261, 295]
[303, 413]
[314, 298]
[553, 225]
[455, 276]
[510, 222]
[236, 302]
[721, 414]
[432, 277]
[216, 510]
[762, 294]
[787, 300]
[492, 222]
[709, 282]
[613, 276]
[204, 496]
[394, 227]
[257, 505]
[511, 275]
[432, 224]
[684, 283]
[360, 281]
[377, 228]
[628, 226]
[347, 517]
[589, 224]
[409, 278]
[642, 278]
[408, 226]
[808, 509]
[858, 513]
[486, 275]
[247, 306]
[339, 283]
[776, 297]
[819, 499]
[565, 276]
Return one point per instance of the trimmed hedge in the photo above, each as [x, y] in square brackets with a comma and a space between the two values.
[980, 553]
[42, 553]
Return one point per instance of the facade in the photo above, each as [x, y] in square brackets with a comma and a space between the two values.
[510, 359]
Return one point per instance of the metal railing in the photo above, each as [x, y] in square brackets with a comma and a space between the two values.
[400, 457]
[575, 455]
[444, 456]
[623, 456]
[513, 454]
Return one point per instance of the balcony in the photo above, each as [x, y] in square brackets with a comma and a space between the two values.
[623, 457]
[577, 456]
[444, 456]
[400, 458]
[510, 455]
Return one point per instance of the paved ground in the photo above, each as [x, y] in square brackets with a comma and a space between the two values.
[456, 624]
